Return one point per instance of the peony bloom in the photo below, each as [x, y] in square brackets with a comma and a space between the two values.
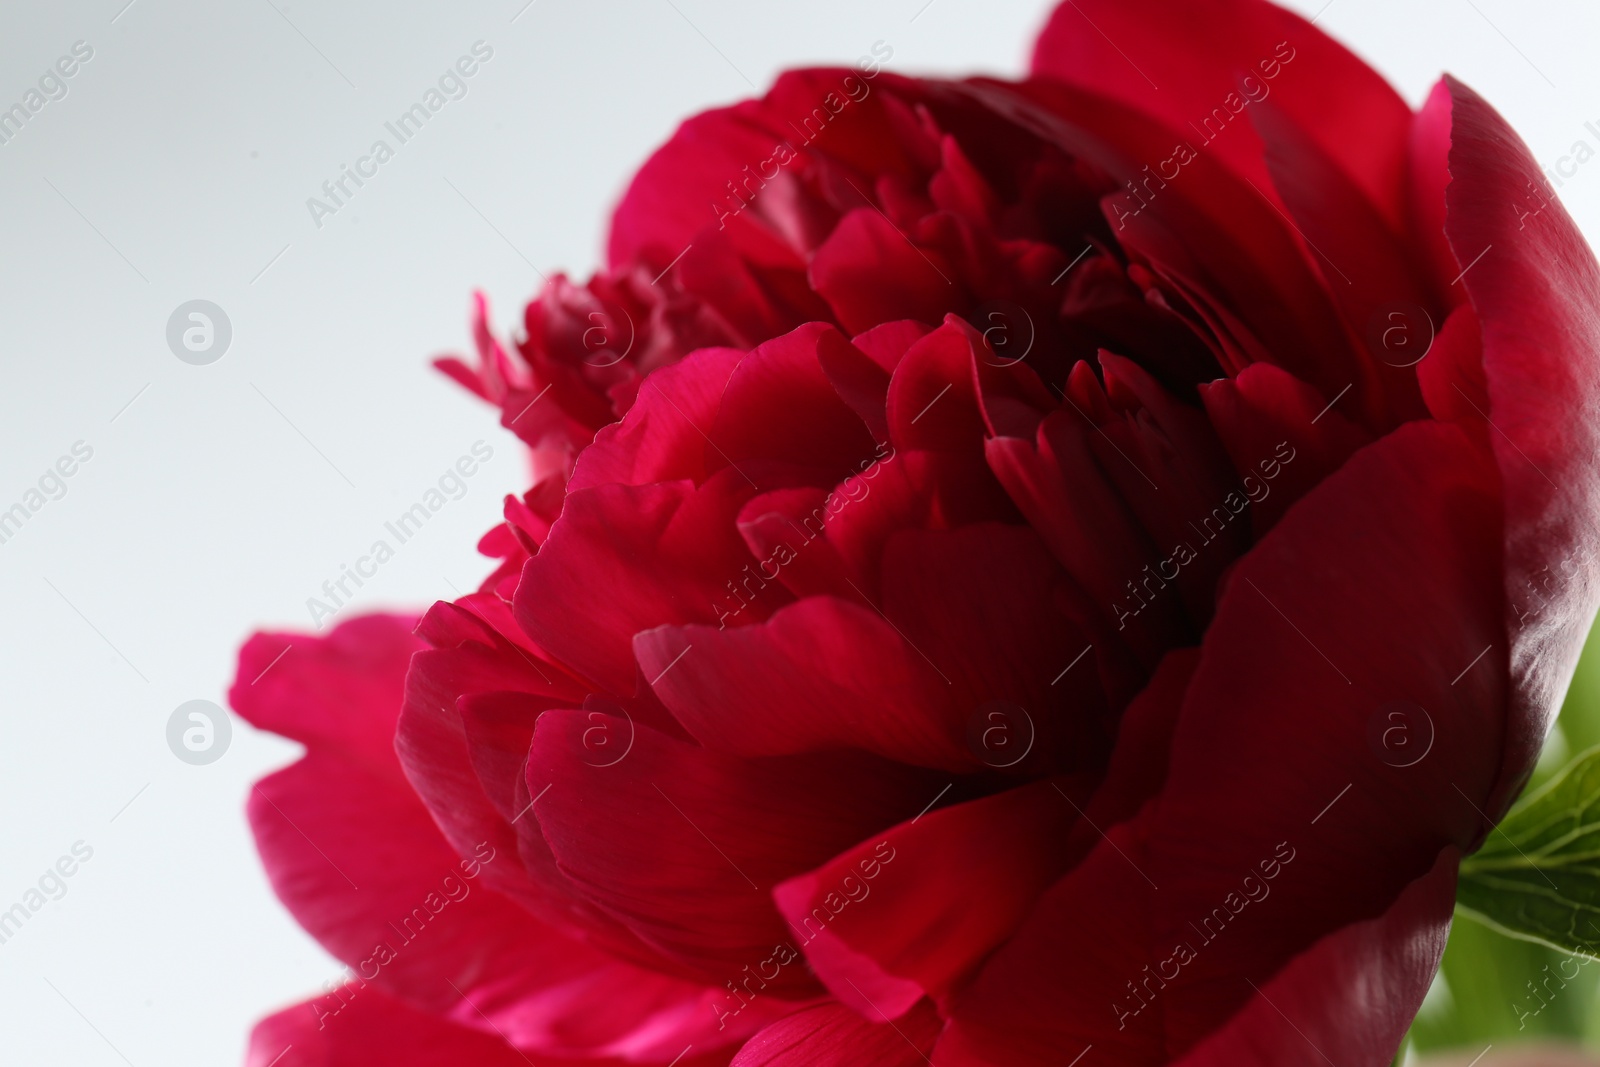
[1016, 573]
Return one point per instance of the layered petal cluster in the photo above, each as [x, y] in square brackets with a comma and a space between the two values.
[1014, 572]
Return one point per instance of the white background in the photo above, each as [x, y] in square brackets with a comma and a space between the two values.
[190, 142]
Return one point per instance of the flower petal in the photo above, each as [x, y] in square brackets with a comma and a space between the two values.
[370, 1027]
[356, 858]
[1200, 52]
[838, 1037]
[820, 674]
[1376, 971]
[636, 557]
[1348, 611]
[684, 845]
[917, 937]
[340, 693]
[1536, 290]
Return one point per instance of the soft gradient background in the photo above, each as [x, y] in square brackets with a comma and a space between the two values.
[177, 167]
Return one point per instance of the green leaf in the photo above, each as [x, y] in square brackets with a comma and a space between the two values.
[1580, 715]
[1494, 988]
[1537, 877]
[1501, 989]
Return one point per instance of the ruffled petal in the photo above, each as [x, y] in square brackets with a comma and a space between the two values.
[362, 1026]
[1349, 620]
[820, 674]
[879, 923]
[1376, 971]
[1213, 59]
[356, 858]
[839, 1037]
[684, 845]
[1535, 288]
[357, 1027]
[636, 557]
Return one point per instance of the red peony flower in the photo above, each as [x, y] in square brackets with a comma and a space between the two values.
[1016, 573]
